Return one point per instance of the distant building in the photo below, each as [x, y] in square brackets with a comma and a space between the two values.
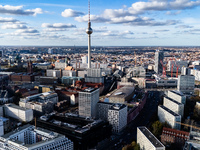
[60, 64]
[103, 108]
[186, 83]
[177, 96]
[19, 113]
[170, 82]
[46, 80]
[147, 140]
[54, 73]
[84, 59]
[159, 56]
[185, 71]
[174, 105]
[117, 117]
[29, 137]
[176, 64]
[6, 123]
[122, 95]
[174, 136]
[70, 80]
[88, 100]
[166, 115]
[137, 72]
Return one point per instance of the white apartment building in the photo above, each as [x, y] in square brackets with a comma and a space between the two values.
[88, 100]
[30, 138]
[186, 83]
[177, 96]
[14, 111]
[147, 140]
[117, 117]
[174, 105]
[1, 128]
[165, 114]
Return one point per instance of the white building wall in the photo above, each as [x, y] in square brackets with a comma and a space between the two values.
[177, 108]
[177, 97]
[164, 115]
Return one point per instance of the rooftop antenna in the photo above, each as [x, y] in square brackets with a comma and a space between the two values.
[89, 32]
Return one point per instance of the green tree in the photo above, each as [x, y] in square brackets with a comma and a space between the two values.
[157, 127]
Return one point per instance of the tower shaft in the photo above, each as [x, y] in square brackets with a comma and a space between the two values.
[89, 51]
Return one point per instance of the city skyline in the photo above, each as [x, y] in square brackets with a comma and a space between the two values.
[115, 23]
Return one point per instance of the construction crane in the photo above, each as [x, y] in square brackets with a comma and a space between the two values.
[177, 67]
[188, 125]
[172, 69]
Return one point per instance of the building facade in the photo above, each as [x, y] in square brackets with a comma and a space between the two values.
[1, 128]
[166, 115]
[177, 96]
[117, 117]
[174, 105]
[14, 111]
[147, 140]
[88, 100]
[159, 56]
[186, 83]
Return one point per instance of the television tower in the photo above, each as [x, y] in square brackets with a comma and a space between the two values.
[89, 31]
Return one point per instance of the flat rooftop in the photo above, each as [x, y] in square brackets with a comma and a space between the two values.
[169, 111]
[151, 137]
[123, 92]
[17, 107]
[178, 93]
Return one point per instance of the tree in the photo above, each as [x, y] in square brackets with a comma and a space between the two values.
[157, 128]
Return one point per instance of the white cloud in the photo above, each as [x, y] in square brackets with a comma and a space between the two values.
[18, 10]
[14, 26]
[58, 25]
[8, 20]
[71, 13]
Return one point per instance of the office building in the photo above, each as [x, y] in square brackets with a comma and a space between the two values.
[186, 84]
[84, 59]
[19, 113]
[174, 105]
[103, 108]
[159, 56]
[29, 137]
[137, 72]
[1, 127]
[6, 123]
[177, 96]
[176, 64]
[185, 71]
[166, 115]
[147, 140]
[88, 100]
[117, 117]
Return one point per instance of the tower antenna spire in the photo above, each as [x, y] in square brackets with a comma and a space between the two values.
[89, 10]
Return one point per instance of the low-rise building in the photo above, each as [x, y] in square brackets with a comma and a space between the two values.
[167, 115]
[19, 113]
[147, 140]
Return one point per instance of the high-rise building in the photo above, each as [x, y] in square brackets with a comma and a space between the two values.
[117, 117]
[159, 56]
[29, 137]
[147, 140]
[167, 115]
[174, 105]
[177, 96]
[84, 59]
[176, 65]
[186, 83]
[88, 100]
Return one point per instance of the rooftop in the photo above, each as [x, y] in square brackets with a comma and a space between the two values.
[151, 137]
[16, 107]
[173, 100]
[177, 92]
[123, 92]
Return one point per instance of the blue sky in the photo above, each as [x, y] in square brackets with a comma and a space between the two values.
[115, 23]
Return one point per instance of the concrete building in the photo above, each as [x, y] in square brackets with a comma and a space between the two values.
[54, 73]
[177, 96]
[6, 123]
[1, 110]
[1, 127]
[122, 95]
[170, 82]
[94, 79]
[185, 71]
[29, 137]
[137, 72]
[70, 80]
[180, 64]
[70, 73]
[166, 115]
[174, 105]
[147, 140]
[60, 64]
[88, 100]
[159, 56]
[117, 117]
[41, 103]
[84, 59]
[186, 84]
[20, 113]
[103, 108]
